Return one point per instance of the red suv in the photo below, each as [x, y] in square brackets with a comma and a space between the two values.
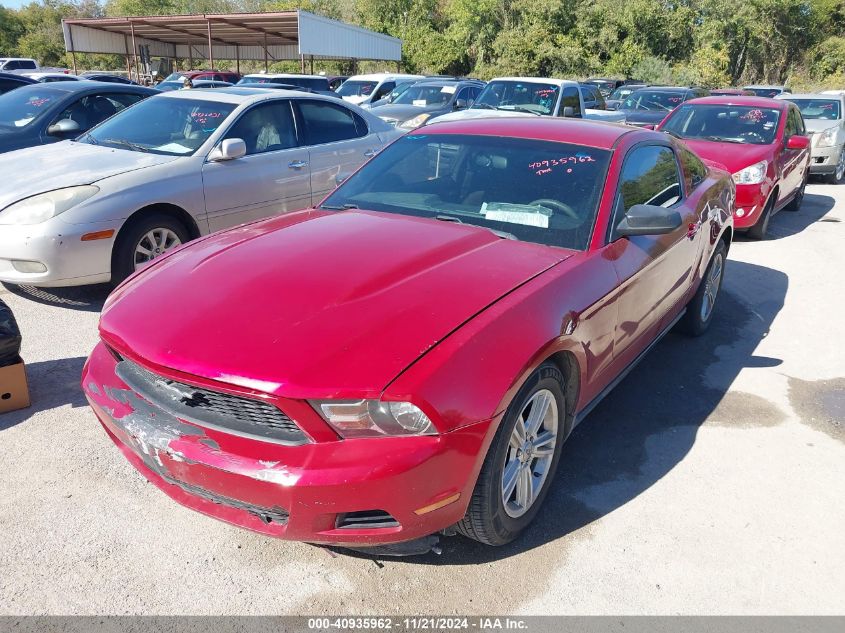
[761, 141]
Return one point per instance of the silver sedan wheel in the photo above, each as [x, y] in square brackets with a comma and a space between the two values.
[711, 286]
[154, 243]
[840, 166]
[530, 453]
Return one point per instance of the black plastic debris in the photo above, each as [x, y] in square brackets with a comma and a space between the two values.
[10, 337]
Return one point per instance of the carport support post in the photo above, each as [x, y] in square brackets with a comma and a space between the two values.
[190, 56]
[73, 59]
[135, 52]
[237, 59]
[266, 64]
[210, 53]
[312, 64]
[302, 63]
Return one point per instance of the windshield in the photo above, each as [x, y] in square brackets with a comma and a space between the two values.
[534, 191]
[162, 125]
[356, 88]
[302, 82]
[818, 108]
[603, 85]
[522, 96]
[765, 92]
[426, 95]
[653, 100]
[174, 76]
[19, 108]
[167, 86]
[622, 92]
[724, 123]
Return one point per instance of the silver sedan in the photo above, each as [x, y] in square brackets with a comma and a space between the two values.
[170, 169]
[824, 118]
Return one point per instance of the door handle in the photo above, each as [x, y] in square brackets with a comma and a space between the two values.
[370, 153]
[297, 164]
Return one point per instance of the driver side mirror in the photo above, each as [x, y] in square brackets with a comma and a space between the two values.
[648, 219]
[461, 104]
[65, 127]
[796, 141]
[229, 149]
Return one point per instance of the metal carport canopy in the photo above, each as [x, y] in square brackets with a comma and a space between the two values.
[242, 36]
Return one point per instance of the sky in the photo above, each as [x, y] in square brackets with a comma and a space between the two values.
[13, 4]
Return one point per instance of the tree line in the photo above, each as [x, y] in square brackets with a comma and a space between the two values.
[703, 42]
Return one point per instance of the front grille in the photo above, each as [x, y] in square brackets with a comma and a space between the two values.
[248, 417]
[365, 520]
[267, 515]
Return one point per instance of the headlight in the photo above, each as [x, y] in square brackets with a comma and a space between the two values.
[374, 418]
[828, 137]
[752, 175]
[417, 121]
[44, 206]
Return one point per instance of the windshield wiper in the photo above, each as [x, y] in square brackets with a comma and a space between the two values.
[521, 109]
[451, 218]
[485, 106]
[90, 139]
[723, 139]
[339, 207]
[125, 143]
[671, 133]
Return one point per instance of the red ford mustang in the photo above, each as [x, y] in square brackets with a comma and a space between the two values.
[761, 141]
[410, 356]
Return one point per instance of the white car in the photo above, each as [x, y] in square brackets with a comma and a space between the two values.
[172, 168]
[531, 96]
[363, 90]
[8, 64]
[49, 76]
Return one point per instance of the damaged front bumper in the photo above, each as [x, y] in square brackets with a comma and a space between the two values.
[326, 490]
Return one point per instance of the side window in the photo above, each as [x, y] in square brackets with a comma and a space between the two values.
[6, 85]
[268, 127]
[12, 65]
[384, 90]
[326, 122]
[695, 171]
[799, 122]
[600, 104]
[571, 98]
[649, 176]
[791, 127]
[29, 65]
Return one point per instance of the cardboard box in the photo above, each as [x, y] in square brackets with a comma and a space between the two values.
[14, 390]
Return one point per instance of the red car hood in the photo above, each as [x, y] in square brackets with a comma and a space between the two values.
[316, 304]
[733, 156]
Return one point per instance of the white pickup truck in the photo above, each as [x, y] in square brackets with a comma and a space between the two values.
[531, 96]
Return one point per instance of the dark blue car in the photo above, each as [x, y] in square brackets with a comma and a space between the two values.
[10, 81]
[649, 106]
[47, 113]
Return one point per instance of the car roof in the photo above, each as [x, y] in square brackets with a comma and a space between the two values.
[446, 82]
[597, 134]
[765, 86]
[739, 100]
[787, 96]
[239, 95]
[670, 88]
[16, 77]
[382, 76]
[285, 75]
[84, 84]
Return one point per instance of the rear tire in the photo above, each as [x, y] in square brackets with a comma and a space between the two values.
[701, 307]
[501, 508]
[155, 233]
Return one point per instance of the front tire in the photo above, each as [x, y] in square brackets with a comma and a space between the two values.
[761, 227]
[834, 177]
[142, 240]
[700, 309]
[521, 461]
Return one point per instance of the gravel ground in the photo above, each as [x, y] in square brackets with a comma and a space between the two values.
[712, 481]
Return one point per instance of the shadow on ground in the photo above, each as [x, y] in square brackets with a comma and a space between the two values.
[648, 424]
[815, 208]
[83, 298]
[52, 384]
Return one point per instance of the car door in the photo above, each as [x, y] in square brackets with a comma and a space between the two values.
[792, 161]
[273, 177]
[338, 141]
[654, 270]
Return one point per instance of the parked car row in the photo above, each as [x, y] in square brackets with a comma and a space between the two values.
[303, 282]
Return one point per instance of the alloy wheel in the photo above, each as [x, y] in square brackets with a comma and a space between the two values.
[840, 166]
[711, 286]
[530, 453]
[155, 243]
